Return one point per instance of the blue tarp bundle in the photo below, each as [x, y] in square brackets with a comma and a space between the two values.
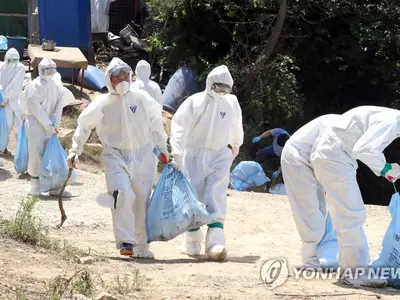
[247, 174]
[174, 208]
[389, 255]
[180, 86]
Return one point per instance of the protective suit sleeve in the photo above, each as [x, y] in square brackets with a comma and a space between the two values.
[14, 88]
[36, 109]
[369, 148]
[87, 121]
[236, 134]
[154, 111]
[159, 97]
[181, 124]
[60, 105]
[68, 97]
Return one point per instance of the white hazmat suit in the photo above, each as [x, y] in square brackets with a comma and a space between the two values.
[361, 133]
[127, 122]
[306, 195]
[12, 75]
[100, 18]
[201, 130]
[143, 82]
[44, 98]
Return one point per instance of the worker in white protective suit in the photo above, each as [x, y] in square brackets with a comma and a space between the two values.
[143, 82]
[12, 75]
[127, 122]
[68, 97]
[202, 128]
[100, 18]
[361, 133]
[43, 104]
[306, 195]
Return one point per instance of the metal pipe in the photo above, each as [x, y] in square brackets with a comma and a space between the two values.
[13, 15]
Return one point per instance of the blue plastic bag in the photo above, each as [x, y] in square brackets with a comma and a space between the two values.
[389, 255]
[22, 153]
[278, 189]
[246, 175]
[3, 43]
[173, 208]
[54, 168]
[328, 247]
[3, 129]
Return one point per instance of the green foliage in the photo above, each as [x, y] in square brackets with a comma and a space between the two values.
[331, 56]
[27, 228]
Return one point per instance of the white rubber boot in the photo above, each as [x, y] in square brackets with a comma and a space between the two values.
[35, 187]
[215, 244]
[56, 193]
[192, 244]
[142, 251]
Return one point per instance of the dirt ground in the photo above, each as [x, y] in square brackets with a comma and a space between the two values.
[258, 227]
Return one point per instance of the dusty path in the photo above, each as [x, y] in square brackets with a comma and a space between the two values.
[259, 227]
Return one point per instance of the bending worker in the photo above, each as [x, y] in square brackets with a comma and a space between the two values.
[127, 121]
[280, 137]
[361, 133]
[306, 195]
[201, 130]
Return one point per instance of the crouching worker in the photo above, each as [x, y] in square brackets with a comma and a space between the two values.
[202, 128]
[127, 122]
[44, 98]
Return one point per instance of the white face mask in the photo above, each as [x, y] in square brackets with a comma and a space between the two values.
[217, 96]
[122, 88]
[47, 77]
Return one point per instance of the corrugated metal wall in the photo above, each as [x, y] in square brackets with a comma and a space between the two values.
[14, 17]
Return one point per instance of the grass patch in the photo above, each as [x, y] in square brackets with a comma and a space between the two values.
[81, 282]
[126, 284]
[20, 294]
[28, 229]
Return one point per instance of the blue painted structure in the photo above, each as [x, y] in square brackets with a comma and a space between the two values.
[66, 22]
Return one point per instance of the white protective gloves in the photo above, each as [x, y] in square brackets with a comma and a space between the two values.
[177, 163]
[391, 172]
